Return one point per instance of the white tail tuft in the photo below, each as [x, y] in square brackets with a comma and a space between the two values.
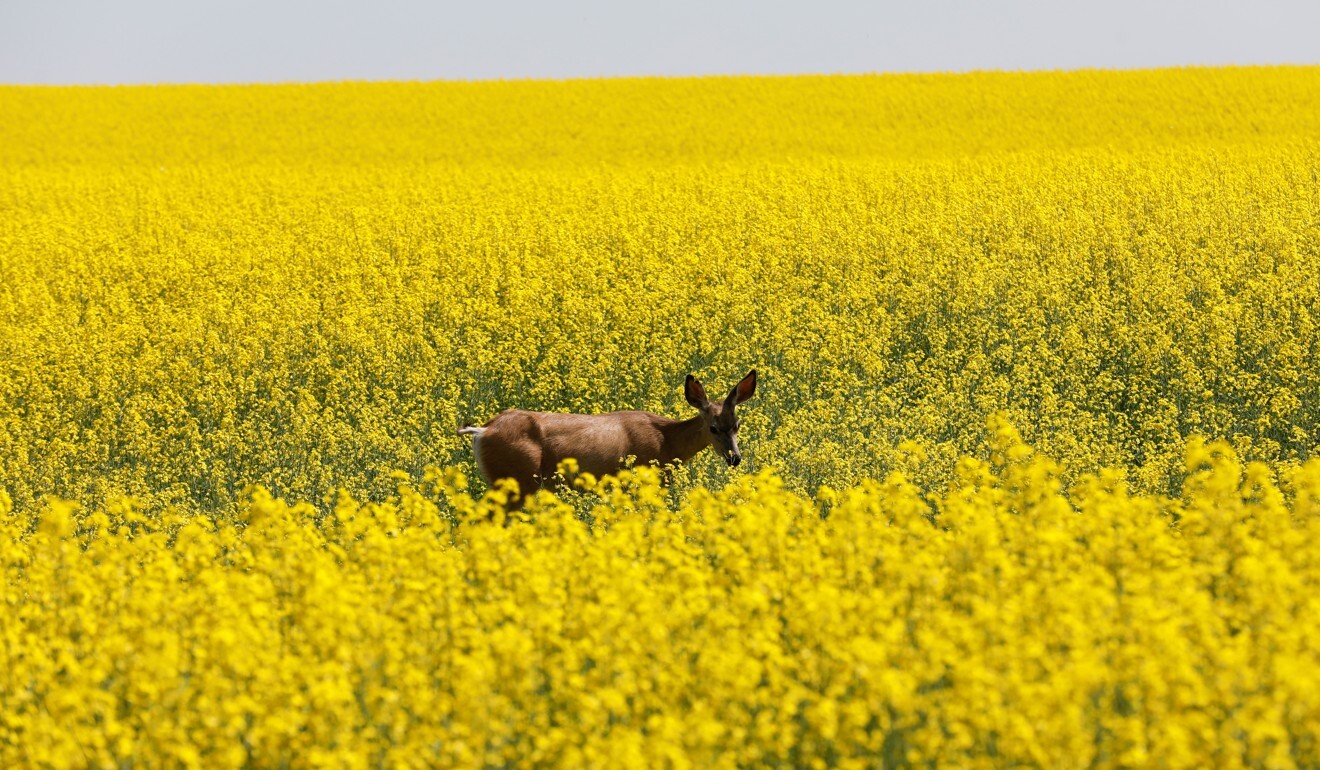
[475, 433]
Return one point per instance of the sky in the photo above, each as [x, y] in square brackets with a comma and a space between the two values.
[247, 41]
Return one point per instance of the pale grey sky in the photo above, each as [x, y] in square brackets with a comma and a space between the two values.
[229, 41]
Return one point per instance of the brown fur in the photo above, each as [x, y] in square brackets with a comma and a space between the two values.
[529, 446]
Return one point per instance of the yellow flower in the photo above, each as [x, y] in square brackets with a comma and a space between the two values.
[1037, 389]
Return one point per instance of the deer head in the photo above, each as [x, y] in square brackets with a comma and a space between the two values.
[720, 419]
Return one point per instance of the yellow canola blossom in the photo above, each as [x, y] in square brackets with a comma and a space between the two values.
[214, 300]
[1000, 623]
[305, 287]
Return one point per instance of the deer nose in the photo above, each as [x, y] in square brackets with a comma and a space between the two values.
[734, 459]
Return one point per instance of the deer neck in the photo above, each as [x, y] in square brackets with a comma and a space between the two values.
[684, 438]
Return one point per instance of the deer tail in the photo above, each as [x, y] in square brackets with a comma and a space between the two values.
[471, 430]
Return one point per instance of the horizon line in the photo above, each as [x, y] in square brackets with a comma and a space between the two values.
[633, 77]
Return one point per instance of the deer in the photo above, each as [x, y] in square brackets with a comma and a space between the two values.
[528, 446]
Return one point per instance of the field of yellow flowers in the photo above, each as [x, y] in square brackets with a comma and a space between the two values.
[1028, 477]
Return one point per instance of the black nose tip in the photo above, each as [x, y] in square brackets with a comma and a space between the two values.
[735, 459]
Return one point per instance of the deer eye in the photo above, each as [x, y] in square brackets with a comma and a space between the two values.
[713, 429]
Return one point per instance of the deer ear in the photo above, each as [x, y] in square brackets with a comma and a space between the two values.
[744, 389]
[694, 393]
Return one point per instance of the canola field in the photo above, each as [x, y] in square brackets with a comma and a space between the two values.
[1030, 477]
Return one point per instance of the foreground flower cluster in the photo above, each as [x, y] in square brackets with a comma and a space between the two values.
[1001, 623]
